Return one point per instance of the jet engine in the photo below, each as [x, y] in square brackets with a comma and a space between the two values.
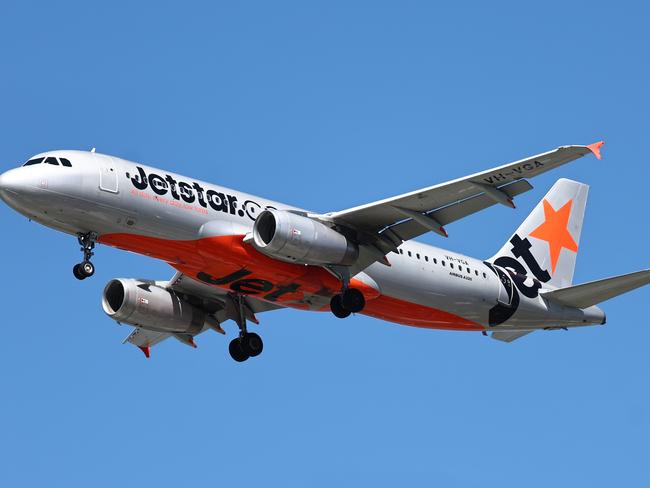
[152, 307]
[298, 239]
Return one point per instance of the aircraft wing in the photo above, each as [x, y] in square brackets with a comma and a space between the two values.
[215, 301]
[385, 224]
[450, 201]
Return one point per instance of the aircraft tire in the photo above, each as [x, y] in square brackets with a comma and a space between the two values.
[78, 273]
[337, 307]
[237, 351]
[252, 344]
[352, 300]
[87, 269]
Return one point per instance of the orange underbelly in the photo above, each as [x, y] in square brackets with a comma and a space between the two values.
[226, 262]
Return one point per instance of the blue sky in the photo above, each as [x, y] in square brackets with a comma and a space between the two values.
[326, 105]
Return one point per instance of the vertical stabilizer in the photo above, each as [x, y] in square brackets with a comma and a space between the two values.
[546, 244]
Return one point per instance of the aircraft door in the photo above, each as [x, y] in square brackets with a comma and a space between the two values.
[506, 291]
[107, 174]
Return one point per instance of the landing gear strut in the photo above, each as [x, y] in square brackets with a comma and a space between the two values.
[248, 344]
[85, 269]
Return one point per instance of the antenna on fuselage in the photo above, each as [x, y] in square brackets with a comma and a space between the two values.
[92, 150]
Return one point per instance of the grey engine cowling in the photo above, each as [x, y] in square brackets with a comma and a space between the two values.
[294, 238]
[151, 307]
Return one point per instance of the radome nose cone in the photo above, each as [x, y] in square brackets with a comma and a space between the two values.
[4, 185]
[10, 182]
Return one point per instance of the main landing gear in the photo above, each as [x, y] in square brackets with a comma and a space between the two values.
[85, 269]
[349, 301]
[248, 344]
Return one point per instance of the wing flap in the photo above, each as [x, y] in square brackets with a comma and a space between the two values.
[144, 339]
[410, 229]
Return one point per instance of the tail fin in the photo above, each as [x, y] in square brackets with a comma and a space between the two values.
[546, 244]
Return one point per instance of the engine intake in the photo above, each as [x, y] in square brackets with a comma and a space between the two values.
[151, 307]
[294, 238]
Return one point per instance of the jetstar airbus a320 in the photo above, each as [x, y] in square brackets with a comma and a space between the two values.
[237, 255]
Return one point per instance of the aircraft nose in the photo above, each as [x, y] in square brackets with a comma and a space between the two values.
[11, 182]
[5, 184]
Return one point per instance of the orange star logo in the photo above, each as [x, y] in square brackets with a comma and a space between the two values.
[554, 231]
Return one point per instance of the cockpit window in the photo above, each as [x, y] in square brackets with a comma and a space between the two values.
[34, 161]
[50, 160]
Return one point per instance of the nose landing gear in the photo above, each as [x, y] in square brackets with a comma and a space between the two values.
[85, 269]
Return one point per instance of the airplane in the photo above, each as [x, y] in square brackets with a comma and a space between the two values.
[237, 255]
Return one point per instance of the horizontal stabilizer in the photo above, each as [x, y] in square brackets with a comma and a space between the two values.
[509, 335]
[588, 294]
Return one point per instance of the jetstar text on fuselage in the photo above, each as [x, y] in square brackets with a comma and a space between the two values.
[193, 193]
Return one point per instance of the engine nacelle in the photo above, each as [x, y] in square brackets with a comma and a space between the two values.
[297, 239]
[151, 307]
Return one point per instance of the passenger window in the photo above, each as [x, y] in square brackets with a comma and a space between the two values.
[476, 271]
[469, 270]
[426, 258]
[418, 255]
[484, 275]
[401, 251]
[451, 265]
[52, 161]
[34, 161]
[435, 261]
[410, 255]
[443, 263]
[65, 162]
